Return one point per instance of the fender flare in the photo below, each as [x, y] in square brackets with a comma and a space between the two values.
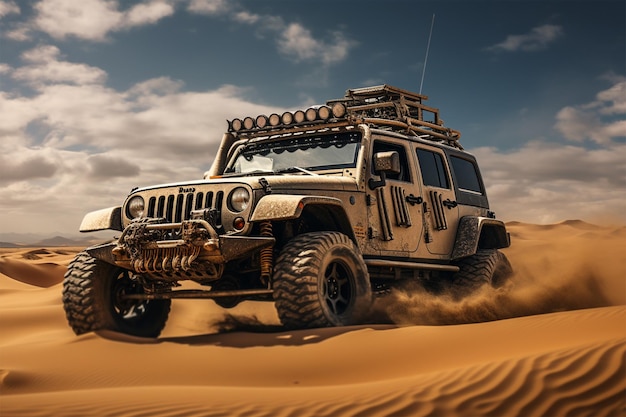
[104, 219]
[280, 207]
[476, 232]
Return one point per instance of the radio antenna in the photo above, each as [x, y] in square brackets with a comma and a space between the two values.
[432, 23]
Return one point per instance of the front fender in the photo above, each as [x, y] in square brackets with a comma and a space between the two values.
[287, 207]
[108, 218]
[479, 233]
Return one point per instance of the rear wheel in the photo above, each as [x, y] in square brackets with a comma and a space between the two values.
[93, 298]
[485, 267]
[321, 280]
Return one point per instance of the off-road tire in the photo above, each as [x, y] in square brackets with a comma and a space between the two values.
[485, 267]
[321, 280]
[89, 299]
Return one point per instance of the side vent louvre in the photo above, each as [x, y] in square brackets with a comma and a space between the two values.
[438, 212]
[400, 208]
[385, 224]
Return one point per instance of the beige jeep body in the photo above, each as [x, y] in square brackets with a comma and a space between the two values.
[367, 174]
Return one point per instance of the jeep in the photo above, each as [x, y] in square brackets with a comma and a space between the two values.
[317, 210]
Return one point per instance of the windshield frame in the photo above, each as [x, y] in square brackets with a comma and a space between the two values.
[295, 143]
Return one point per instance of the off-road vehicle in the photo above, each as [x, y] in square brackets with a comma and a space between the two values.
[317, 210]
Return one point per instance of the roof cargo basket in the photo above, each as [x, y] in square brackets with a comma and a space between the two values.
[397, 109]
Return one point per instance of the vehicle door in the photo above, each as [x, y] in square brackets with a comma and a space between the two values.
[394, 219]
[440, 212]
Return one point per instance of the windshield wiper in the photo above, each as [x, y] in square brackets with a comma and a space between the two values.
[295, 169]
[249, 173]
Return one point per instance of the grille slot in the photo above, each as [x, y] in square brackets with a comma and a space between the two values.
[178, 207]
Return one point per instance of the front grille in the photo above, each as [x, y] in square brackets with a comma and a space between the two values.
[178, 207]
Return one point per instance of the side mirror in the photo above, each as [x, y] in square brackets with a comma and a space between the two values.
[387, 162]
[384, 163]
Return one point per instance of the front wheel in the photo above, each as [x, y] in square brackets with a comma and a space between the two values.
[321, 280]
[93, 298]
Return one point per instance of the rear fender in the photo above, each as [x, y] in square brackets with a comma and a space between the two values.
[479, 233]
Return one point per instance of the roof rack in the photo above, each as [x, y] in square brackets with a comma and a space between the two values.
[382, 106]
[398, 109]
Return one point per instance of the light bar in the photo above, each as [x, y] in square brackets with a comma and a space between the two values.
[311, 115]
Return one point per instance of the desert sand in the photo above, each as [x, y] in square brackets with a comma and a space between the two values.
[552, 342]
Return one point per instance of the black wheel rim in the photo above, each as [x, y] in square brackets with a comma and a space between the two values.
[337, 288]
[129, 310]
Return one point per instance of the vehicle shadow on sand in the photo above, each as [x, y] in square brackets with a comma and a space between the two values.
[249, 334]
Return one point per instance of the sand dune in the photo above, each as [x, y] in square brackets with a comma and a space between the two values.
[552, 342]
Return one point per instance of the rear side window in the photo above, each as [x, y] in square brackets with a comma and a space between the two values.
[466, 175]
[433, 169]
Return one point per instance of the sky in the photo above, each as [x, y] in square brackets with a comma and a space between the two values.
[100, 96]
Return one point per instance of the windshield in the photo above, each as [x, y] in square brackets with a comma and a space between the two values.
[311, 153]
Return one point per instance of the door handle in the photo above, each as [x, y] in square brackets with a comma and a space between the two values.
[450, 204]
[412, 200]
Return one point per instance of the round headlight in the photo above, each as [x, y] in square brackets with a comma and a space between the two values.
[135, 207]
[239, 199]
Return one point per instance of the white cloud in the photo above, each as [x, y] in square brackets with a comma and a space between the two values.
[8, 7]
[22, 32]
[547, 183]
[293, 40]
[538, 38]
[147, 13]
[93, 143]
[296, 42]
[45, 67]
[596, 121]
[208, 7]
[85, 19]
[95, 19]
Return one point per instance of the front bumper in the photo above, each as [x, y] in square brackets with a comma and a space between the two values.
[151, 246]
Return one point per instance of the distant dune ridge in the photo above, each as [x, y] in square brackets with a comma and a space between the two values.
[551, 342]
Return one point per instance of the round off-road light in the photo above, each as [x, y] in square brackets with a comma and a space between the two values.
[323, 112]
[298, 116]
[261, 121]
[236, 125]
[339, 110]
[135, 207]
[310, 114]
[274, 119]
[248, 123]
[287, 118]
